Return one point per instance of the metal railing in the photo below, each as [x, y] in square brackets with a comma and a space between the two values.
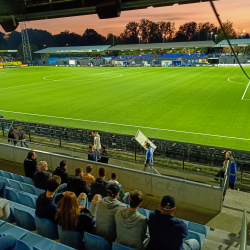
[243, 234]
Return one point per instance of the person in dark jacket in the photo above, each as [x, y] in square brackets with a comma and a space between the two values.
[41, 176]
[72, 217]
[76, 184]
[92, 154]
[99, 186]
[104, 155]
[166, 231]
[61, 171]
[13, 136]
[22, 136]
[30, 164]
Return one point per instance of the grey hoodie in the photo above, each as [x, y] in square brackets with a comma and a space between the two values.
[105, 210]
[131, 229]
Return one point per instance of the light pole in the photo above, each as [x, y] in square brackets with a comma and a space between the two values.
[139, 39]
[113, 39]
[163, 38]
[215, 38]
[199, 35]
[211, 35]
[207, 36]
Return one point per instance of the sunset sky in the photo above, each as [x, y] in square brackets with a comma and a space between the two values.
[237, 11]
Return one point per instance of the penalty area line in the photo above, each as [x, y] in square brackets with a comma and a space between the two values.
[245, 91]
[127, 125]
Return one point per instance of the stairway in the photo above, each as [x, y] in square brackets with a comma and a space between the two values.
[222, 240]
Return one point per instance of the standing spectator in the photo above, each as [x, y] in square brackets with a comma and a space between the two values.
[30, 164]
[105, 210]
[99, 186]
[71, 217]
[41, 176]
[233, 169]
[104, 155]
[22, 136]
[114, 178]
[97, 141]
[92, 154]
[46, 204]
[166, 231]
[13, 136]
[88, 175]
[131, 226]
[149, 156]
[76, 184]
[4, 203]
[61, 171]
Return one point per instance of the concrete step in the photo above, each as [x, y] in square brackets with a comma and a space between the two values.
[212, 245]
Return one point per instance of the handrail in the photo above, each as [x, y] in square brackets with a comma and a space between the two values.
[243, 234]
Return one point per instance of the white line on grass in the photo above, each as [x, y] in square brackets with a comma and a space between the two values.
[126, 125]
[236, 82]
[245, 92]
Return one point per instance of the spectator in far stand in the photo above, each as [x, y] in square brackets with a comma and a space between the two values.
[41, 176]
[13, 136]
[61, 171]
[114, 178]
[88, 175]
[233, 169]
[22, 136]
[104, 155]
[97, 141]
[92, 154]
[30, 164]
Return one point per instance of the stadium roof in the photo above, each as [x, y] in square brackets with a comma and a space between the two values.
[234, 42]
[28, 10]
[146, 46]
[74, 49]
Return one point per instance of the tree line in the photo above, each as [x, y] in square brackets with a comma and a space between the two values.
[146, 31]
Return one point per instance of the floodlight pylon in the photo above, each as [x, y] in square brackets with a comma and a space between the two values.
[27, 57]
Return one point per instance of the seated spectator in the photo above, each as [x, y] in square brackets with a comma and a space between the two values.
[41, 176]
[104, 155]
[131, 226]
[76, 184]
[71, 217]
[46, 203]
[61, 171]
[88, 175]
[4, 203]
[30, 164]
[92, 154]
[166, 231]
[114, 178]
[105, 210]
[99, 186]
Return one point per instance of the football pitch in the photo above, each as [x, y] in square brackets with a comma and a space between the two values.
[207, 105]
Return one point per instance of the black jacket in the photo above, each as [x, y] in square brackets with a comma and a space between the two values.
[86, 222]
[77, 185]
[40, 179]
[104, 157]
[98, 186]
[62, 173]
[30, 167]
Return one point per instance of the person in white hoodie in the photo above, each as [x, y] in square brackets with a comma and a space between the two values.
[131, 226]
[105, 210]
[97, 140]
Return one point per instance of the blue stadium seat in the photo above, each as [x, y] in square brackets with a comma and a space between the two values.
[15, 184]
[25, 219]
[46, 228]
[28, 180]
[142, 211]
[198, 228]
[3, 179]
[194, 235]
[7, 175]
[95, 242]
[22, 246]
[18, 177]
[12, 195]
[27, 199]
[1, 172]
[39, 191]
[7, 242]
[28, 188]
[71, 239]
[116, 246]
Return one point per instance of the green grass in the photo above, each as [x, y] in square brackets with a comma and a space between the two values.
[199, 100]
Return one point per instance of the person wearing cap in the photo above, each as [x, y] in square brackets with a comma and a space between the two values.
[105, 210]
[166, 231]
[131, 226]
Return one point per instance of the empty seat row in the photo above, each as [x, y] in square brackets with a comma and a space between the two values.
[16, 177]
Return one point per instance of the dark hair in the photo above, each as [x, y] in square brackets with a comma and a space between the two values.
[89, 169]
[136, 197]
[104, 147]
[102, 172]
[94, 131]
[148, 144]
[113, 176]
[78, 171]
[90, 146]
[63, 164]
[53, 182]
[30, 154]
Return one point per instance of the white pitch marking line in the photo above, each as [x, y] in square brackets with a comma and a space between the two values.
[236, 82]
[126, 125]
[245, 91]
